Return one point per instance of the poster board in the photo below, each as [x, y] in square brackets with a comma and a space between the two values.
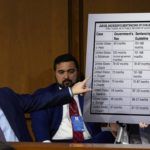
[118, 59]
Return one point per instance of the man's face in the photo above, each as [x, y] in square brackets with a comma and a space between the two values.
[66, 74]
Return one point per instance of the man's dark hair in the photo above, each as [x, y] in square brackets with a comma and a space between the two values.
[65, 58]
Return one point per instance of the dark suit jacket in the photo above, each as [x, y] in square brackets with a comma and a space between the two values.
[134, 134]
[14, 106]
[45, 123]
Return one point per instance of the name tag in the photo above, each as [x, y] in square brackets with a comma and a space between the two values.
[77, 122]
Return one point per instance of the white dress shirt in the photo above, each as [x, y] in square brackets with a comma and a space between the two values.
[6, 128]
[65, 129]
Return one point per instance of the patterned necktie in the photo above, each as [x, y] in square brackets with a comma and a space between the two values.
[73, 110]
[2, 138]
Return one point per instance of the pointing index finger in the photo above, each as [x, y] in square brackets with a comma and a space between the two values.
[86, 79]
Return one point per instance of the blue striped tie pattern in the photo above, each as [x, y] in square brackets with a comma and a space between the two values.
[2, 138]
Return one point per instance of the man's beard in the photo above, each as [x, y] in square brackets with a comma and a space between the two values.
[66, 83]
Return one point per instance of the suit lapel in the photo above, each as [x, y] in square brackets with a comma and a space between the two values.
[81, 102]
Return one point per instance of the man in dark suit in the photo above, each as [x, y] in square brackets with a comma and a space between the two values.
[13, 106]
[55, 124]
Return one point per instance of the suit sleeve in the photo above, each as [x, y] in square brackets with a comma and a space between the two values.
[47, 99]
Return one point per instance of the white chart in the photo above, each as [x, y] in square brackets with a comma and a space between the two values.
[119, 54]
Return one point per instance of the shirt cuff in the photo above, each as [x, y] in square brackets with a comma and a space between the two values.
[47, 141]
[70, 91]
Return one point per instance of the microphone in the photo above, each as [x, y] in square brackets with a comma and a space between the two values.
[122, 137]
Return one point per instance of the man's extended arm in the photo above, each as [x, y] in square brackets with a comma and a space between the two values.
[49, 99]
